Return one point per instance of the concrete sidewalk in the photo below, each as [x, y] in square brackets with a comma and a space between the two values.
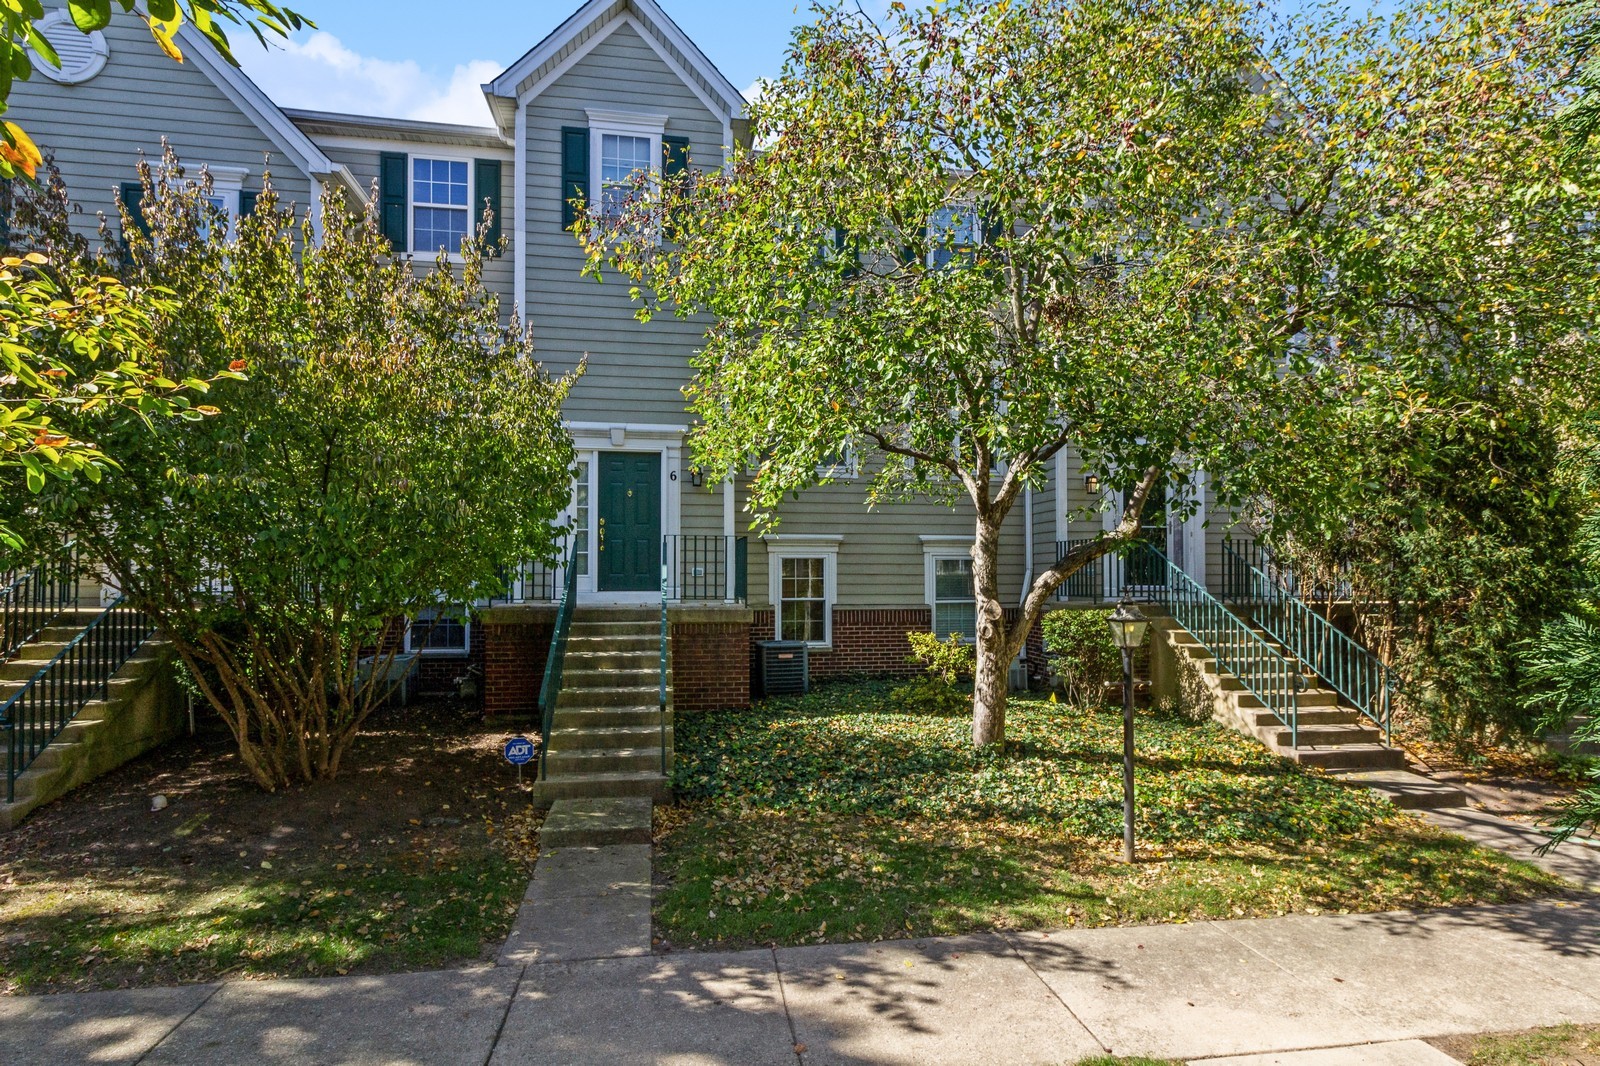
[1183, 991]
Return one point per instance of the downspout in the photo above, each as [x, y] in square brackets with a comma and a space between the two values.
[1027, 552]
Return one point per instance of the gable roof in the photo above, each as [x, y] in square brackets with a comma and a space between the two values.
[589, 25]
[267, 116]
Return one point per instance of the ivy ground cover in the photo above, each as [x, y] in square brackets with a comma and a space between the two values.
[837, 816]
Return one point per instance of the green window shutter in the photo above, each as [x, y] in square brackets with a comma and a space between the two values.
[676, 151]
[5, 212]
[486, 188]
[912, 255]
[247, 202]
[133, 200]
[392, 199]
[847, 248]
[574, 171]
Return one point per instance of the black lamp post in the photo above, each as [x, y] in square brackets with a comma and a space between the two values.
[1127, 632]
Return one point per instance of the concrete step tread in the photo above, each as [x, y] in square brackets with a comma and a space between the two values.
[1405, 789]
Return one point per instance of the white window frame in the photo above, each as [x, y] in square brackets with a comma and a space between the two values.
[934, 548]
[604, 122]
[454, 254]
[824, 546]
[956, 251]
[466, 635]
[847, 469]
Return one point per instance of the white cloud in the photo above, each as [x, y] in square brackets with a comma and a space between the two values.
[320, 73]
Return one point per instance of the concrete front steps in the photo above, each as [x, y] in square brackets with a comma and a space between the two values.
[142, 708]
[606, 735]
[1331, 736]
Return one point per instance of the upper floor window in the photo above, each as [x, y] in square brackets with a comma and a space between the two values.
[440, 216]
[623, 156]
[953, 232]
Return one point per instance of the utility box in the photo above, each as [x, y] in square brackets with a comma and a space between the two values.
[784, 667]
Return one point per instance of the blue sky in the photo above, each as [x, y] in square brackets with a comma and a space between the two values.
[409, 59]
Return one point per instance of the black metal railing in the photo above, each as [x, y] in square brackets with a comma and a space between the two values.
[1350, 669]
[529, 583]
[1318, 588]
[1107, 578]
[1265, 672]
[54, 694]
[32, 596]
[695, 568]
[550, 689]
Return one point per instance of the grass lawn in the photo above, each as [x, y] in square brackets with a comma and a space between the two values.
[835, 817]
[1561, 1045]
[416, 856]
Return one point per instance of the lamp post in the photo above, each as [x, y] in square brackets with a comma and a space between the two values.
[1127, 632]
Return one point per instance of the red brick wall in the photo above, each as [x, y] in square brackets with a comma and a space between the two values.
[513, 664]
[710, 665]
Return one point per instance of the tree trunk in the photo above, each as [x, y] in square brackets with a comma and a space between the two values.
[990, 686]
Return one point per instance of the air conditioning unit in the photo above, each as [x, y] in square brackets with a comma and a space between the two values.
[785, 667]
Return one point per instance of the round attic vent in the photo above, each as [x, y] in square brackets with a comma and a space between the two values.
[82, 54]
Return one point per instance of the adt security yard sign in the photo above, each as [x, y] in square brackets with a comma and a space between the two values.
[519, 750]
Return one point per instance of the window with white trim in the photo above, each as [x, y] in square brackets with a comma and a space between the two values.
[802, 585]
[439, 631]
[580, 516]
[440, 195]
[623, 156]
[840, 465]
[955, 608]
[954, 232]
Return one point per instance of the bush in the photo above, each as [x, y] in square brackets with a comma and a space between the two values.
[1082, 654]
[945, 664]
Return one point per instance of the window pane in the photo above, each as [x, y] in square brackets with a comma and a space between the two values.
[803, 620]
[802, 595]
[952, 579]
[580, 515]
[955, 618]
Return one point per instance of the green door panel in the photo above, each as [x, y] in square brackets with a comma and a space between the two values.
[630, 522]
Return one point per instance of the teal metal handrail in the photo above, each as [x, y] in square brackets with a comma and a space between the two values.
[1353, 671]
[30, 597]
[78, 674]
[555, 662]
[666, 570]
[1264, 671]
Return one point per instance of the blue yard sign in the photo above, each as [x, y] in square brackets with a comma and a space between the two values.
[519, 750]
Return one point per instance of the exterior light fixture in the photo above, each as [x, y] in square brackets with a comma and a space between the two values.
[1128, 627]
[1091, 484]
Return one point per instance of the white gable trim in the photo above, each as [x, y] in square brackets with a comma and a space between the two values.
[257, 106]
[506, 84]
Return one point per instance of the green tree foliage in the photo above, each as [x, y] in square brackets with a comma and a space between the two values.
[18, 155]
[74, 350]
[394, 447]
[1581, 117]
[1194, 237]
[1564, 662]
[1082, 654]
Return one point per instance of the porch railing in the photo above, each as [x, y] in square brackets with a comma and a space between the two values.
[30, 597]
[530, 583]
[78, 674]
[1265, 672]
[555, 662]
[696, 568]
[1350, 669]
[1106, 578]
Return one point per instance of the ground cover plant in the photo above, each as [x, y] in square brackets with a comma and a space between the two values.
[1558, 1045]
[415, 858]
[836, 816]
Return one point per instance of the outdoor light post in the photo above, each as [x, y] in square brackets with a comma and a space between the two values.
[1127, 632]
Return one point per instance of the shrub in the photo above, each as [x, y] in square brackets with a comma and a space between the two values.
[1082, 653]
[945, 663]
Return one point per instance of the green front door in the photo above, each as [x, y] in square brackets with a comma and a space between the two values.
[630, 522]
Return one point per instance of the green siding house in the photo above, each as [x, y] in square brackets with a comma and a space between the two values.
[615, 88]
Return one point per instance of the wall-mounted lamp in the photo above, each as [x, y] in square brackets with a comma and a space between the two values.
[696, 478]
[1091, 484]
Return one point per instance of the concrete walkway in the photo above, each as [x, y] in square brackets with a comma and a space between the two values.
[1205, 990]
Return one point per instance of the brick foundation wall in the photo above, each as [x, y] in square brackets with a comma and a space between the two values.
[710, 665]
[438, 673]
[513, 653]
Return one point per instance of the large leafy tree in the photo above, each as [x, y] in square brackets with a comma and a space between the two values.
[967, 242]
[394, 447]
[1192, 238]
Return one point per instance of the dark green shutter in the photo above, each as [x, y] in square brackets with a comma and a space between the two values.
[844, 246]
[133, 200]
[991, 229]
[912, 255]
[247, 202]
[574, 172]
[5, 212]
[486, 186]
[676, 150]
[392, 199]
